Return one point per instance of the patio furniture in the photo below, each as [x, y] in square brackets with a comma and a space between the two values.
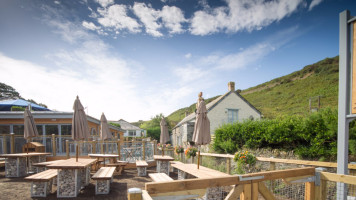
[101, 158]
[163, 163]
[41, 184]
[141, 167]
[42, 166]
[72, 175]
[15, 164]
[160, 177]
[119, 165]
[103, 177]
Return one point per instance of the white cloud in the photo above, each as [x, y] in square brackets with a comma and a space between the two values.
[314, 3]
[116, 16]
[149, 17]
[188, 55]
[241, 15]
[57, 2]
[190, 73]
[105, 3]
[172, 18]
[90, 25]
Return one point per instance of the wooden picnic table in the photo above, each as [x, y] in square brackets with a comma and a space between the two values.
[42, 166]
[163, 164]
[98, 158]
[15, 164]
[72, 175]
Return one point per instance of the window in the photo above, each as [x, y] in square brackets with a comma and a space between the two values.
[232, 115]
[19, 129]
[132, 133]
[66, 129]
[4, 129]
[39, 129]
[51, 129]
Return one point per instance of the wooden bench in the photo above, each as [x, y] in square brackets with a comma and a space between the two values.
[41, 184]
[119, 165]
[141, 167]
[2, 163]
[102, 178]
[160, 177]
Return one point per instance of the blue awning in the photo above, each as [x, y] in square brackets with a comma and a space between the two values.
[7, 104]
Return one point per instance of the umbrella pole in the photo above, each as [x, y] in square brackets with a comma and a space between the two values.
[76, 152]
[163, 151]
[198, 156]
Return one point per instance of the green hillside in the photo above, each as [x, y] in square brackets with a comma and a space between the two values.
[289, 95]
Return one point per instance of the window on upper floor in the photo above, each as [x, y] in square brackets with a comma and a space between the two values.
[132, 133]
[232, 115]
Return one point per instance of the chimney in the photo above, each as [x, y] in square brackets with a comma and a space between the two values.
[231, 86]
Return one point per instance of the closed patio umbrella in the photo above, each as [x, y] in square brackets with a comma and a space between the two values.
[80, 130]
[30, 129]
[201, 135]
[104, 129]
[164, 137]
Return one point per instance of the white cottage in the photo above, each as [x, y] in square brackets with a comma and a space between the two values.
[227, 108]
[129, 129]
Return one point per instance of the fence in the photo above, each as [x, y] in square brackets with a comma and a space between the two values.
[65, 146]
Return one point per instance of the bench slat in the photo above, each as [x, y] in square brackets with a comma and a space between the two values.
[104, 173]
[160, 177]
[141, 163]
[43, 176]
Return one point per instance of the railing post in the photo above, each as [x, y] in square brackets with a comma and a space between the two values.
[4, 144]
[155, 147]
[143, 150]
[12, 143]
[94, 146]
[54, 150]
[119, 148]
[309, 191]
[228, 165]
[352, 188]
[67, 149]
[134, 194]
[272, 167]
[247, 192]
[320, 189]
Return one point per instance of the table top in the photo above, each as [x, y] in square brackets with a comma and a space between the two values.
[103, 155]
[44, 164]
[72, 164]
[164, 158]
[17, 155]
[202, 172]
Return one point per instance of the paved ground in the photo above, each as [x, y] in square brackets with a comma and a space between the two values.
[17, 188]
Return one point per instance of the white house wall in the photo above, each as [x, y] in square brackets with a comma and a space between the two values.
[219, 116]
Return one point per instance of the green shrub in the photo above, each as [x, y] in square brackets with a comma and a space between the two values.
[312, 137]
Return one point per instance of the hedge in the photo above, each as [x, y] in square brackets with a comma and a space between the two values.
[311, 137]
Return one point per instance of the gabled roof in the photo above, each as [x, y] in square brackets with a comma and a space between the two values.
[126, 125]
[212, 104]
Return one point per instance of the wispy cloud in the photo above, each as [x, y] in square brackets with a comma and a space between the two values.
[314, 3]
[149, 17]
[105, 3]
[241, 15]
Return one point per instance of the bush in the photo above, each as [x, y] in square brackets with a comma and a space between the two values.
[314, 136]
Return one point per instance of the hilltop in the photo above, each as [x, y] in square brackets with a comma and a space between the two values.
[289, 95]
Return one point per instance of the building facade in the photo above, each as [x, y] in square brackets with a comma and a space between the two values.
[228, 108]
[129, 129]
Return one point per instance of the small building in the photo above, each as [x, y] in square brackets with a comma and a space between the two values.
[129, 129]
[228, 108]
[48, 123]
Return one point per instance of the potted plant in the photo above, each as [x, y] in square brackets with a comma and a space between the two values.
[245, 162]
[191, 152]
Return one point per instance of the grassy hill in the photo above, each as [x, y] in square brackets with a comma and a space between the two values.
[289, 95]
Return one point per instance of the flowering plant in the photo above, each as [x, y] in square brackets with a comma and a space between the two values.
[244, 160]
[168, 146]
[160, 146]
[178, 149]
[191, 152]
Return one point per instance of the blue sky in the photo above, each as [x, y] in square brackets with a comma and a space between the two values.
[135, 59]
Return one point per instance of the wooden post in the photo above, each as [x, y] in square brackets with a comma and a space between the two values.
[54, 151]
[134, 194]
[254, 191]
[309, 191]
[4, 144]
[272, 167]
[228, 165]
[119, 148]
[143, 150]
[12, 143]
[246, 194]
[94, 146]
[154, 147]
[67, 148]
[101, 147]
[352, 188]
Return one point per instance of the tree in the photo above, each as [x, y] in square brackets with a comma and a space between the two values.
[7, 91]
